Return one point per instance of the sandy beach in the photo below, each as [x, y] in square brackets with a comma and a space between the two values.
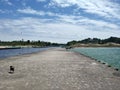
[57, 69]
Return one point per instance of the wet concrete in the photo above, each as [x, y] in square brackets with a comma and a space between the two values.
[57, 69]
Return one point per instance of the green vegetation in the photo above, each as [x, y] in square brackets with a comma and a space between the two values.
[28, 43]
[95, 42]
[89, 42]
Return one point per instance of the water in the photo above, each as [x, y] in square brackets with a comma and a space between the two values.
[14, 52]
[111, 56]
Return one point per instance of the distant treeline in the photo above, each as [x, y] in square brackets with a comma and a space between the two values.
[39, 43]
[28, 42]
[95, 41]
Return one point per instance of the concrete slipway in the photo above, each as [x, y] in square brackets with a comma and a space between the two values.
[57, 69]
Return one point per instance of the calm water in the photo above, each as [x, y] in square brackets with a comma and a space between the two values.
[14, 52]
[110, 56]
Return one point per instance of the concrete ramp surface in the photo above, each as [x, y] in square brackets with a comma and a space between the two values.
[57, 69]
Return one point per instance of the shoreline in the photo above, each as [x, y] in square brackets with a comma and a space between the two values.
[10, 48]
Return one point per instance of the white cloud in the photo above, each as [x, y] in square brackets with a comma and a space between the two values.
[40, 0]
[6, 11]
[71, 19]
[79, 20]
[35, 12]
[1, 11]
[104, 8]
[7, 2]
[38, 29]
[63, 27]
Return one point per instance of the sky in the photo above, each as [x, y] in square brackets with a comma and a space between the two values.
[59, 20]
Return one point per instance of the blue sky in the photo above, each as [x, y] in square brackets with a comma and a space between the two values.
[59, 20]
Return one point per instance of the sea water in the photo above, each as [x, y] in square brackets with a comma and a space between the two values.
[13, 52]
[111, 56]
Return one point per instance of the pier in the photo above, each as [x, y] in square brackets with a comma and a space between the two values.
[57, 69]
